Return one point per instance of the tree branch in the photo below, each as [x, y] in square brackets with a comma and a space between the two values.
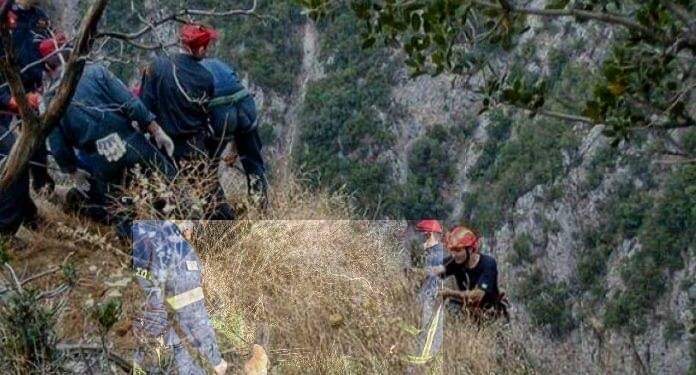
[604, 17]
[177, 17]
[35, 130]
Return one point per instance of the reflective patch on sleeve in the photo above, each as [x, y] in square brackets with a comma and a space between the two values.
[484, 286]
[192, 265]
[182, 300]
[142, 272]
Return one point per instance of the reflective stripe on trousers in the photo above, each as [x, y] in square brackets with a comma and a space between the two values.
[182, 300]
[432, 343]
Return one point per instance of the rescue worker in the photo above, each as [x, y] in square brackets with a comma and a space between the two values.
[28, 26]
[233, 118]
[16, 205]
[476, 274]
[432, 314]
[95, 142]
[168, 270]
[177, 90]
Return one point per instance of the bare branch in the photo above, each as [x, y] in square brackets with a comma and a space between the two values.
[565, 116]
[35, 130]
[174, 17]
[604, 17]
[34, 277]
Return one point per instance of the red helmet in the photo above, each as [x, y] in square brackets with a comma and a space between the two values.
[50, 45]
[196, 36]
[430, 226]
[461, 238]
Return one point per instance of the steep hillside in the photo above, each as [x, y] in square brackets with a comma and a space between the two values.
[593, 240]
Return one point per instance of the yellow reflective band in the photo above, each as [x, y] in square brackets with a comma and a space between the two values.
[431, 333]
[418, 360]
[186, 298]
[137, 370]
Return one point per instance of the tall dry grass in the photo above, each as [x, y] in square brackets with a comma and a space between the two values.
[332, 293]
[328, 287]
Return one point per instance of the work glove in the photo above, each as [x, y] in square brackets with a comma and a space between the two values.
[81, 178]
[163, 141]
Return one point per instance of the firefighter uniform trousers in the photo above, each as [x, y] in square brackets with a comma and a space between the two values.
[430, 335]
[168, 270]
[16, 205]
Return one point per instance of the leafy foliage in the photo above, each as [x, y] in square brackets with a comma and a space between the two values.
[548, 303]
[664, 236]
[430, 171]
[641, 83]
[522, 250]
[342, 137]
[268, 49]
[534, 156]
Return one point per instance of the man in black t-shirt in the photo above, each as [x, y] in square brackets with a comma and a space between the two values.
[476, 274]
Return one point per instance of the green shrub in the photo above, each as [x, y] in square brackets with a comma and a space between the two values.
[533, 157]
[673, 330]
[27, 335]
[548, 304]
[521, 250]
[268, 134]
[689, 142]
[592, 268]
[666, 234]
[268, 49]
[604, 159]
[430, 170]
[498, 133]
[341, 134]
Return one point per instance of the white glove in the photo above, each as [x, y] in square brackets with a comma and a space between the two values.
[163, 141]
[221, 369]
[81, 176]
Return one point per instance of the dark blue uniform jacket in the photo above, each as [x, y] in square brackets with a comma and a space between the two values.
[102, 105]
[227, 119]
[177, 90]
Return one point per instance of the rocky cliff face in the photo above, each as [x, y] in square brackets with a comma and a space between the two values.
[554, 216]
[569, 238]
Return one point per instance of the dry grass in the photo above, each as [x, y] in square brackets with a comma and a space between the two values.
[330, 289]
[335, 298]
[332, 292]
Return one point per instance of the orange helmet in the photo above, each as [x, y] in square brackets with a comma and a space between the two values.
[429, 226]
[460, 238]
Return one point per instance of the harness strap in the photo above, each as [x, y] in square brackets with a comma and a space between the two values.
[184, 299]
[229, 99]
